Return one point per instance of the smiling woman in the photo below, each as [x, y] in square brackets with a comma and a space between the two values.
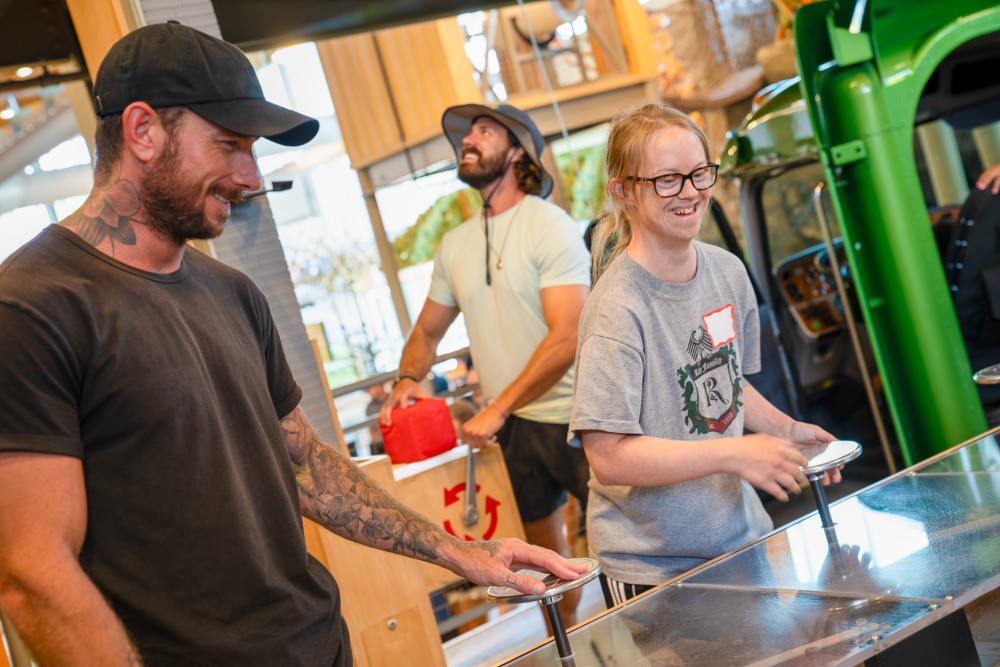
[672, 322]
[630, 161]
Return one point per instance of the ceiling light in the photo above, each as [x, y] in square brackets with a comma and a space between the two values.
[25, 72]
[7, 113]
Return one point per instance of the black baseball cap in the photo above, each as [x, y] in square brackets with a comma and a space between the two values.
[173, 65]
[457, 121]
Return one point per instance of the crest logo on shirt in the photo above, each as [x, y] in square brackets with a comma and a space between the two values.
[711, 382]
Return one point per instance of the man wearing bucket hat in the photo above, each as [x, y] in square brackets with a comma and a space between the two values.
[154, 460]
[520, 273]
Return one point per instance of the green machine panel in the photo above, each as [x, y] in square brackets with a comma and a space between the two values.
[865, 66]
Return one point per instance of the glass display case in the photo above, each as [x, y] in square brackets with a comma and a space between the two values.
[906, 575]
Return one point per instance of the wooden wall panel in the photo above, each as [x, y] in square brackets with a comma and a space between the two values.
[360, 98]
[408, 54]
[633, 26]
[459, 67]
[99, 24]
[427, 70]
[439, 494]
[426, 73]
[382, 597]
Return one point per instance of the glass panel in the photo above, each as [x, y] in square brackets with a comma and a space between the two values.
[980, 456]
[19, 226]
[330, 248]
[692, 625]
[903, 554]
[326, 232]
[920, 536]
[70, 153]
[57, 172]
[787, 201]
[416, 214]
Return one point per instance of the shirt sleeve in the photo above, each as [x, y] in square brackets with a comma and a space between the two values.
[39, 384]
[608, 394]
[440, 290]
[563, 258]
[285, 392]
[751, 332]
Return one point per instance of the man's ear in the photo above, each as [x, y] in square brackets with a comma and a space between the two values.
[616, 189]
[143, 132]
[518, 152]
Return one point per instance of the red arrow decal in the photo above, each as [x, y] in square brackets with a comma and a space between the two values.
[447, 527]
[491, 508]
[451, 495]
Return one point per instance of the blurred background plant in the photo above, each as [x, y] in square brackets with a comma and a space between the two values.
[585, 188]
[420, 241]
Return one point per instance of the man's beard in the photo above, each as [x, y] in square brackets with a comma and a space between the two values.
[175, 209]
[487, 170]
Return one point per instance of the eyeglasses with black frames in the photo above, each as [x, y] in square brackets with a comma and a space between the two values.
[670, 185]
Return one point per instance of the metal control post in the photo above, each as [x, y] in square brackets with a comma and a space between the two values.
[554, 588]
[816, 482]
[820, 459]
[566, 654]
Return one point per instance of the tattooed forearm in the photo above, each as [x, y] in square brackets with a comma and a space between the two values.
[340, 496]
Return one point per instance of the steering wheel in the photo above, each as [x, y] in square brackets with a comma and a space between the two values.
[821, 262]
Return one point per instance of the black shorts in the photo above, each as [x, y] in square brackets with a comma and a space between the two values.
[616, 592]
[542, 466]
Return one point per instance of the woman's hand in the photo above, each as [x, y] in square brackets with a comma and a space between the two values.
[769, 463]
[810, 435]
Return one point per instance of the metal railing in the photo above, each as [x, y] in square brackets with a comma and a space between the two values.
[381, 378]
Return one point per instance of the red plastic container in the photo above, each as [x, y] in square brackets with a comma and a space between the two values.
[419, 431]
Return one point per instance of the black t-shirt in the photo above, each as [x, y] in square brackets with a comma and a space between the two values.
[169, 388]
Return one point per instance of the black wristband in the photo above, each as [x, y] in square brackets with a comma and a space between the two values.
[403, 376]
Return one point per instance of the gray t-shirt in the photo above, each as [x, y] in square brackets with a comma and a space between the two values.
[667, 360]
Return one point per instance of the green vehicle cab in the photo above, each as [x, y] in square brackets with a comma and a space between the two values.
[852, 180]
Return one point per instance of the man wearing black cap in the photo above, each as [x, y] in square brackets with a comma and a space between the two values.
[520, 273]
[154, 462]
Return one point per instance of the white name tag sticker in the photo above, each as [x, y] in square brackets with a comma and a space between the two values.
[720, 325]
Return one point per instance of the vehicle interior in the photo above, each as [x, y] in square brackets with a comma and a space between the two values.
[790, 229]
